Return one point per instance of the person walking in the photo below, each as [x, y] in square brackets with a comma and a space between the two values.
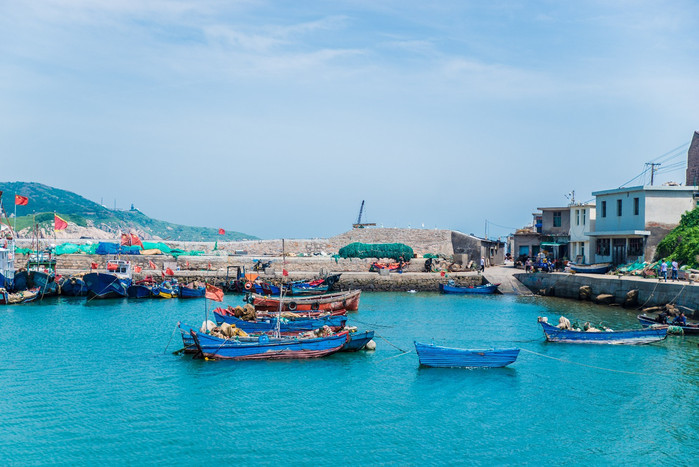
[482, 264]
[663, 270]
[675, 268]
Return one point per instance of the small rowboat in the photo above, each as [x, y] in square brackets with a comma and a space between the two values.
[358, 340]
[269, 348]
[598, 268]
[192, 292]
[447, 357]
[330, 302]
[632, 336]
[479, 289]
[691, 329]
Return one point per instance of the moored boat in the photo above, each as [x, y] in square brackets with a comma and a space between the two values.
[111, 284]
[192, 291]
[478, 289]
[73, 286]
[627, 337]
[691, 329]
[449, 357]
[357, 341]
[597, 268]
[269, 348]
[285, 325]
[330, 302]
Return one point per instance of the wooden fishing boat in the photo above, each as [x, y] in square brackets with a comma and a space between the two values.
[330, 302]
[23, 296]
[285, 326]
[192, 292]
[628, 337]
[597, 268]
[166, 289]
[307, 289]
[448, 357]
[357, 341]
[267, 348]
[111, 284]
[73, 286]
[478, 289]
[691, 329]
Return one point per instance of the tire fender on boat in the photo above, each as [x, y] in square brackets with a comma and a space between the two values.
[315, 306]
[292, 306]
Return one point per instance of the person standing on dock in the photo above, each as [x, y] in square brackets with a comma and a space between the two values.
[663, 270]
[675, 267]
[482, 264]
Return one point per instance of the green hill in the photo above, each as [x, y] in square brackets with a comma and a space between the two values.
[45, 200]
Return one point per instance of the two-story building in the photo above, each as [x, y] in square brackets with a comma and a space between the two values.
[555, 231]
[582, 220]
[630, 222]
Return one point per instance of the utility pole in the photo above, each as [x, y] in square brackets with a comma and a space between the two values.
[653, 166]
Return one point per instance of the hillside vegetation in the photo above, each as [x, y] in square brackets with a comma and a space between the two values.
[682, 243]
[45, 200]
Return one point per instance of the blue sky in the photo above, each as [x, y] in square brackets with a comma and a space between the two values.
[278, 118]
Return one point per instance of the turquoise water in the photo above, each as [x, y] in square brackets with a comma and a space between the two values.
[90, 383]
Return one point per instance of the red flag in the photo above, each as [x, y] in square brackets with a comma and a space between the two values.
[285, 272]
[187, 264]
[135, 241]
[214, 293]
[151, 264]
[125, 239]
[443, 273]
[169, 272]
[138, 269]
[21, 200]
[94, 266]
[221, 232]
[209, 265]
[58, 223]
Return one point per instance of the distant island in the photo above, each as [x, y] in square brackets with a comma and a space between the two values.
[92, 220]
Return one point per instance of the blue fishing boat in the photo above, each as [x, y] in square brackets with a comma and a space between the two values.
[111, 284]
[140, 291]
[305, 288]
[41, 268]
[478, 289]
[597, 268]
[632, 336]
[7, 266]
[358, 340]
[691, 329]
[23, 296]
[166, 289]
[448, 357]
[263, 288]
[73, 286]
[192, 292]
[269, 348]
[285, 326]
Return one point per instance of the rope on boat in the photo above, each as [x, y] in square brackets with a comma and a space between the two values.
[389, 342]
[589, 366]
[395, 356]
[171, 336]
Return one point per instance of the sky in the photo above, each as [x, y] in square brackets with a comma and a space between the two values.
[278, 118]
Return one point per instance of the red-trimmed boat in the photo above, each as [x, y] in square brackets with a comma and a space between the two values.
[334, 302]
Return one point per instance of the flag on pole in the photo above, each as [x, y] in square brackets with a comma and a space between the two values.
[169, 272]
[21, 200]
[59, 223]
[221, 232]
[209, 265]
[125, 239]
[151, 264]
[94, 265]
[187, 264]
[214, 293]
[135, 241]
[285, 272]
[138, 269]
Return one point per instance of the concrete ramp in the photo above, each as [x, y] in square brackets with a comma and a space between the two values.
[504, 275]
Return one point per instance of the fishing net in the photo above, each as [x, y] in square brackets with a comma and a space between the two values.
[396, 251]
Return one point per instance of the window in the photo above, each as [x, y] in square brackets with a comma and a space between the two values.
[636, 207]
[577, 217]
[618, 207]
[603, 246]
[556, 218]
[604, 209]
[635, 246]
[584, 214]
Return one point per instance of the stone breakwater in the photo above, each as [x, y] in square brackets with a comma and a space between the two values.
[614, 290]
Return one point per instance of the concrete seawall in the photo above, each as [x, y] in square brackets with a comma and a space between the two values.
[651, 292]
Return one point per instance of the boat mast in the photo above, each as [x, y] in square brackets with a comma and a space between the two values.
[277, 327]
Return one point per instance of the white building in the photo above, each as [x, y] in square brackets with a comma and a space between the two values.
[582, 221]
[630, 222]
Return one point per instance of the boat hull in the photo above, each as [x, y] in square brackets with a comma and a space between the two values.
[358, 340]
[139, 291]
[272, 349]
[105, 285]
[481, 289]
[591, 268]
[628, 337]
[331, 302]
[73, 287]
[447, 357]
[186, 292]
[689, 329]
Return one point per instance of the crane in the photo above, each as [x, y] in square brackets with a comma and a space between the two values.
[359, 224]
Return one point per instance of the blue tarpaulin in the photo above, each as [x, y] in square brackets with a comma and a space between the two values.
[106, 248]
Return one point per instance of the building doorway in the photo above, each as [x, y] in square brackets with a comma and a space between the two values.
[618, 251]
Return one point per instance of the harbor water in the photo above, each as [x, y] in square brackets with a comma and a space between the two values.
[90, 382]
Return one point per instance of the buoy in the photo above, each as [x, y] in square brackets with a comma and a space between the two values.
[371, 345]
